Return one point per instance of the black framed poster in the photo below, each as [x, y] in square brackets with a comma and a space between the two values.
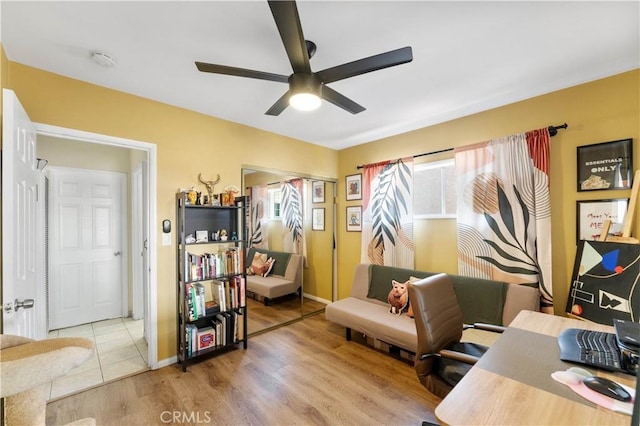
[606, 165]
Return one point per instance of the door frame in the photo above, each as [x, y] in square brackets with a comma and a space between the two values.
[151, 319]
[137, 243]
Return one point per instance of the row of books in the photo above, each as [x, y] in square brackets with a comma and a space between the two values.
[225, 295]
[224, 329]
[211, 265]
[229, 293]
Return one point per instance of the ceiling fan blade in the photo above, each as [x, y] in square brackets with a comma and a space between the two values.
[241, 72]
[285, 13]
[341, 101]
[365, 65]
[279, 106]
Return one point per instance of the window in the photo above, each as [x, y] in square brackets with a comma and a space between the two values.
[434, 190]
[275, 199]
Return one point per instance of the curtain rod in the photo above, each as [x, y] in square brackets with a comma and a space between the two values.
[553, 130]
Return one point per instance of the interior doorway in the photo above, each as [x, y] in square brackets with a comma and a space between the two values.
[91, 147]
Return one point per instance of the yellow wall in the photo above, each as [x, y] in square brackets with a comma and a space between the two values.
[600, 111]
[188, 143]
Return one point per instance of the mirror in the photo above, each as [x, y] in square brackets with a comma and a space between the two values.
[317, 202]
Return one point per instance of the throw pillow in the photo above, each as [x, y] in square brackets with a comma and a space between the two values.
[398, 297]
[257, 264]
[268, 266]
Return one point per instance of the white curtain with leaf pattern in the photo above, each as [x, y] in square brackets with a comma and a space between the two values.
[387, 214]
[292, 207]
[504, 211]
[259, 229]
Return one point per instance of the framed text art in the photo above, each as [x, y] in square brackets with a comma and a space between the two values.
[318, 191]
[354, 187]
[606, 165]
[591, 215]
[354, 219]
[317, 219]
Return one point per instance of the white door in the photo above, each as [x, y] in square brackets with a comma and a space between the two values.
[23, 288]
[85, 246]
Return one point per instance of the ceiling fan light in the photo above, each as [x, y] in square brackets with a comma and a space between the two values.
[304, 101]
[305, 90]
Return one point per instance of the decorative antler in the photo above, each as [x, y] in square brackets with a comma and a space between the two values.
[210, 184]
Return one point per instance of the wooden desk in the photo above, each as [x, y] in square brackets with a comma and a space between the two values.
[485, 398]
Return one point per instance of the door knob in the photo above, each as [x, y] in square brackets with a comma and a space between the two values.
[117, 253]
[24, 304]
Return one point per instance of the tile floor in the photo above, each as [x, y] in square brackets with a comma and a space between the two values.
[121, 350]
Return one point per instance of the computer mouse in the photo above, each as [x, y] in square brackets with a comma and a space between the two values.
[607, 387]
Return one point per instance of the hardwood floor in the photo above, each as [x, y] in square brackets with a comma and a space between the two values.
[304, 373]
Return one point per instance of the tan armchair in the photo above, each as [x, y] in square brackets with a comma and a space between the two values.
[441, 359]
[26, 368]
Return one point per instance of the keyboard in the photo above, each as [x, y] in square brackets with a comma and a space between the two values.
[593, 348]
[599, 349]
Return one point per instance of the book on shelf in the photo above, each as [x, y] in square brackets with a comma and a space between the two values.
[206, 338]
[240, 326]
[238, 291]
[191, 332]
[221, 321]
[218, 292]
[211, 307]
[195, 297]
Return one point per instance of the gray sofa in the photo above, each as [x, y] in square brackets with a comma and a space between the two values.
[365, 311]
[285, 277]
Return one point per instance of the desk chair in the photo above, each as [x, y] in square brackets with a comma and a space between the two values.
[441, 359]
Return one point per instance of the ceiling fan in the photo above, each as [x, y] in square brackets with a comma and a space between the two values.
[306, 88]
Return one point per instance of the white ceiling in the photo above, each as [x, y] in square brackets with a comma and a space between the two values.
[468, 56]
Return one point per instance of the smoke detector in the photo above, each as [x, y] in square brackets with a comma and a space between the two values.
[102, 58]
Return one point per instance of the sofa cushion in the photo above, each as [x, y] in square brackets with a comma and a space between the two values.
[257, 264]
[268, 266]
[271, 286]
[281, 259]
[373, 320]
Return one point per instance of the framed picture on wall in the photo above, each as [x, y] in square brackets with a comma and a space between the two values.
[354, 187]
[591, 215]
[317, 188]
[606, 165]
[354, 219]
[317, 219]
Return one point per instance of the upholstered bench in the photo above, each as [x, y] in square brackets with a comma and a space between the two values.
[284, 278]
[367, 309]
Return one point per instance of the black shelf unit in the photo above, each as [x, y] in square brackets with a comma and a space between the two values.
[225, 327]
